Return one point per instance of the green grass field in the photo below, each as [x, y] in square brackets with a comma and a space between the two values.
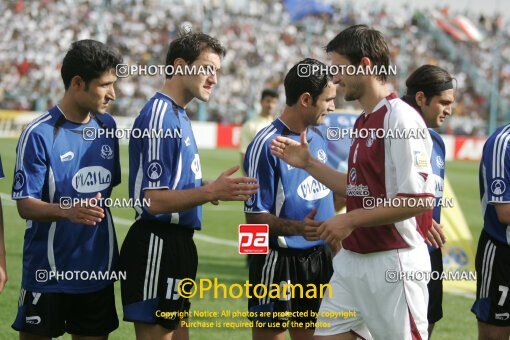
[218, 260]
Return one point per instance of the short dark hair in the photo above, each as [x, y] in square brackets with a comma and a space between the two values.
[359, 41]
[88, 59]
[189, 46]
[269, 93]
[429, 79]
[314, 83]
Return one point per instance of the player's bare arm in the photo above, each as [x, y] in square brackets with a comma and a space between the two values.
[337, 228]
[224, 188]
[503, 212]
[285, 227]
[35, 209]
[299, 156]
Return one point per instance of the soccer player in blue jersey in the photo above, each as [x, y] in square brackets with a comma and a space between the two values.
[285, 197]
[159, 250]
[492, 305]
[55, 164]
[3, 265]
[430, 92]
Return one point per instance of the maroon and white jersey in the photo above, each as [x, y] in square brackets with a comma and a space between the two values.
[386, 168]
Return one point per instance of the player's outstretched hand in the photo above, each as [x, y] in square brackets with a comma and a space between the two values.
[335, 230]
[296, 154]
[227, 188]
[435, 237]
[87, 212]
[311, 226]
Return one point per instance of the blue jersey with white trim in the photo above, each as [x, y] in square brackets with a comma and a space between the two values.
[437, 161]
[166, 161]
[494, 177]
[285, 191]
[55, 163]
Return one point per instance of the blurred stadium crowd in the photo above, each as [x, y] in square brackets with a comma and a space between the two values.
[262, 42]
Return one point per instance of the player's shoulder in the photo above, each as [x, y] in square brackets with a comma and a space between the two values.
[264, 137]
[41, 126]
[401, 113]
[159, 111]
[107, 120]
[497, 140]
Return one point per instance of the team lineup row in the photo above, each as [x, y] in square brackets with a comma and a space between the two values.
[309, 242]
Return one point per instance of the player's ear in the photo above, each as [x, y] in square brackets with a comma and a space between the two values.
[420, 98]
[77, 83]
[305, 99]
[179, 62]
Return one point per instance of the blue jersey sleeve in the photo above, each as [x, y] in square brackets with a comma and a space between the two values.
[161, 158]
[1, 169]
[260, 164]
[31, 167]
[497, 165]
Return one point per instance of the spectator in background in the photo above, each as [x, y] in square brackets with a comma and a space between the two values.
[268, 104]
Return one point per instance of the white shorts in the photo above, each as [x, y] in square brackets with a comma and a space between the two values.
[372, 298]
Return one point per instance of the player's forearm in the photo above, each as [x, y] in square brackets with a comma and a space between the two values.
[334, 180]
[277, 226]
[37, 210]
[384, 215]
[166, 201]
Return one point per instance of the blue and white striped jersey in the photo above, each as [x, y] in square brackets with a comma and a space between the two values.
[166, 157]
[55, 162]
[494, 176]
[437, 161]
[285, 191]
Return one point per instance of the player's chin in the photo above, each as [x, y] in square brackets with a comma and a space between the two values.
[204, 96]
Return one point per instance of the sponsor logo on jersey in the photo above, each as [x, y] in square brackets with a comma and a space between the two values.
[354, 189]
[106, 152]
[19, 180]
[33, 320]
[311, 189]
[420, 159]
[498, 186]
[154, 170]
[92, 179]
[439, 185]
[196, 168]
[68, 156]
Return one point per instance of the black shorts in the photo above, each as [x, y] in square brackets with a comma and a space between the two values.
[435, 286]
[292, 266]
[53, 314]
[492, 264]
[156, 256]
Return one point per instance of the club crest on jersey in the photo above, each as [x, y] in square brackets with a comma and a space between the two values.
[154, 170]
[498, 186]
[106, 152]
[19, 180]
[196, 168]
[370, 140]
[92, 179]
[439, 162]
[321, 155]
[311, 189]
[68, 156]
